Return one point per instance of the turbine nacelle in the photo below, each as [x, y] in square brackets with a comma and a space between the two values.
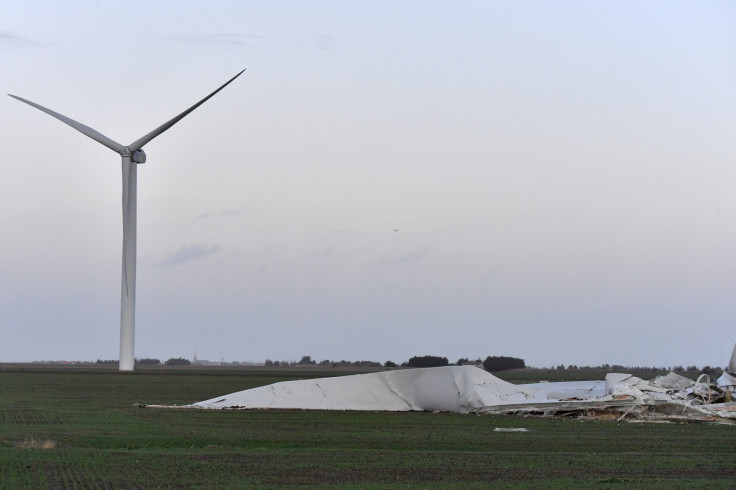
[139, 156]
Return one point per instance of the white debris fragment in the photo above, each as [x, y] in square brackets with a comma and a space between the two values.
[727, 381]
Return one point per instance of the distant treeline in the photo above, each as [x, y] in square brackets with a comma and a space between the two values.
[503, 363]
[148, 362]
[709, 370]
[308, 361]
[178, 361]
[427, 361]
[491, 363]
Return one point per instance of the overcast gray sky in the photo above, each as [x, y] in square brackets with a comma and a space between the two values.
[561, 176]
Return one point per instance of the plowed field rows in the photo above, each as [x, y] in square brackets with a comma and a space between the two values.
[82, 429]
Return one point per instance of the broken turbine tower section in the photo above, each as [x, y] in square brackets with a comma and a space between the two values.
[727, 381]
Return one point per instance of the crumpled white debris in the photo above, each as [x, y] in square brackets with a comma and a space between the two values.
[466, 389]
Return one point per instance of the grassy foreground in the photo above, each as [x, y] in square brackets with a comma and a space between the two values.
[66, 428]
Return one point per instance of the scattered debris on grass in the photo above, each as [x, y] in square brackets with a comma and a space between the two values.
[36, 444]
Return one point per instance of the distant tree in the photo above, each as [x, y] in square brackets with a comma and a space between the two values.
[106, 361]
[389, 364]
[710, 371]
[345, 363]
[148, 362]
[366, 364]
[502, 363]
[428, 361]
[178, 361]
[462, 361]
[306, 361]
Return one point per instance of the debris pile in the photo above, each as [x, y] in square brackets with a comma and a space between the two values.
[468, 389]
[666, 398]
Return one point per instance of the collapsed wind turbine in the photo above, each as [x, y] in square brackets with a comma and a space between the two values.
[132, 155]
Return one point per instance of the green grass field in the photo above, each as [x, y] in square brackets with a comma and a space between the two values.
[77, 428]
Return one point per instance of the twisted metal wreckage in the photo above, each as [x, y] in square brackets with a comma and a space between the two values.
[467, 389]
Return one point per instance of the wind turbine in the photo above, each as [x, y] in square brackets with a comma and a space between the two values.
[132, 155]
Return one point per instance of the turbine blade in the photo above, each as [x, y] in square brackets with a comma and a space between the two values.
[85, 130]
[138, 144]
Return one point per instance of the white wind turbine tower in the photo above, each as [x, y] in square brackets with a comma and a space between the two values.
[132, 155]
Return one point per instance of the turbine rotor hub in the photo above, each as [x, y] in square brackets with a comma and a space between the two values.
[138, 156]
